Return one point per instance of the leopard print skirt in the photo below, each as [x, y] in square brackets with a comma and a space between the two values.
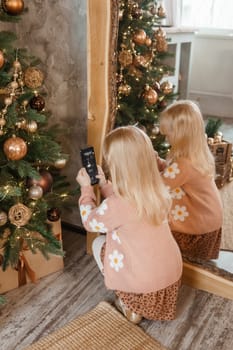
[159, 305]
[205, 246]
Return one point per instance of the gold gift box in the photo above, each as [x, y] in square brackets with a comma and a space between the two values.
[31, 266]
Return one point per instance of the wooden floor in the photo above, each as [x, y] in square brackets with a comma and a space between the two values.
[204, 321]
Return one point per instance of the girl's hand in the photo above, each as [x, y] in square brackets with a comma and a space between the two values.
[83, 178]
[101, 176]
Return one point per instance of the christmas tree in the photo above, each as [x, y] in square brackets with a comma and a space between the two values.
[144, 89]
[32, 189]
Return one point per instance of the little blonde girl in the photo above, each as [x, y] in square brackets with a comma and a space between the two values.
[196, 214]
[141, 260]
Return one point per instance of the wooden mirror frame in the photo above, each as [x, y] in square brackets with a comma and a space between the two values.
[102, 31]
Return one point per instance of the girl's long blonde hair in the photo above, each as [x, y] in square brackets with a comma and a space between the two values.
[131, 161]
[183, 124]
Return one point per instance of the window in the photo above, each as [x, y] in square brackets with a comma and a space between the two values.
[215, 14]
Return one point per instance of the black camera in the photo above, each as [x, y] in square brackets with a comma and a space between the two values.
[89, 163]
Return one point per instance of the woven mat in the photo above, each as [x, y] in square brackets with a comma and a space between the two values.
[102, 328]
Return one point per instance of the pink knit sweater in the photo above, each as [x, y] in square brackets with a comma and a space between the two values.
[197, 207]
[140, 257]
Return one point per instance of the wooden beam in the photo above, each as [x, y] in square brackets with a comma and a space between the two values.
[199, 278]
[98, 94]
[102, 26]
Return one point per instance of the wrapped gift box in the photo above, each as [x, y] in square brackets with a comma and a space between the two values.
[32, 267]
[222, 152]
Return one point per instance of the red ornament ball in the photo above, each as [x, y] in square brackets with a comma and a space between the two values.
[45, 181]
[15, 148]
[37, 102]
[53, 214]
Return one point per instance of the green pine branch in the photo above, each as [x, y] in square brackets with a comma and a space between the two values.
[212, 126]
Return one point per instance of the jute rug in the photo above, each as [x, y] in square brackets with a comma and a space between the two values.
[102, 328]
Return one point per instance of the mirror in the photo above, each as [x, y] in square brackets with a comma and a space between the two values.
[214, 276]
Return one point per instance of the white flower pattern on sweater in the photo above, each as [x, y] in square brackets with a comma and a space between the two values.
[116, 260]
[85, 211]
[179, 213]
[102, 208]
[115, 237]
[171, 171]
[177, 193]
[97, 226]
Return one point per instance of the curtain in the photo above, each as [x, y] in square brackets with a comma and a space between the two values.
[173, 12]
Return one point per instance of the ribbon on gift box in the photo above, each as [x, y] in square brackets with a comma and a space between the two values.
[23, 269]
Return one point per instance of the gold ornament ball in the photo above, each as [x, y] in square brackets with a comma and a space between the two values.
[148, 41]
[125, 58]
[35, 192]
[15, 148]
[139, 37]
[16, 64]
[60, 163]
[150, 96]
[32, 126]
[2, 122]
[155, 130]
[153, 10]
[161, 11]
[161, 45]
[14, 85]
[124, 89]
[21, 124]
[33, 77]
[166, 87]
[13, 7]
[160, 33]
[8, 101]
[3, 218]
[140, 60]
[1, 59]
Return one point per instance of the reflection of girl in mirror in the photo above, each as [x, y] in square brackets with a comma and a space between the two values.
[138, 255]
[196, 215]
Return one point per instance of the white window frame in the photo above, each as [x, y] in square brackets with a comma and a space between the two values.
[174, 9]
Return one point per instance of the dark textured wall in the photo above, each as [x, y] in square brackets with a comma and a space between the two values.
[55, 32]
